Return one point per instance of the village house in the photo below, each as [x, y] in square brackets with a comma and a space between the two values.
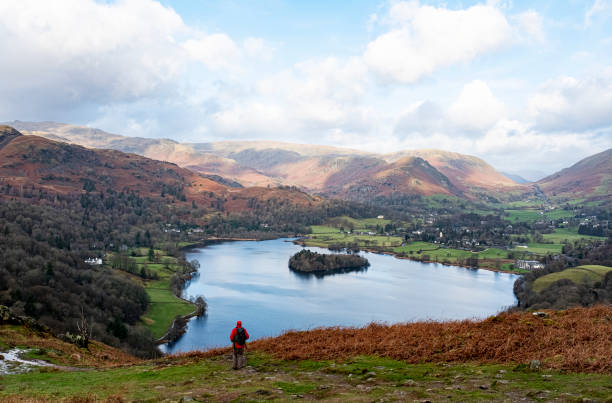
[94, 261]
[528, 264]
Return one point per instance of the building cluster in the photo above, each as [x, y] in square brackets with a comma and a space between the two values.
[528, 264]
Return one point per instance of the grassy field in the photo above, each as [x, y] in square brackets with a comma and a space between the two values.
[587, 274]
[326, 239]
[164, 306]
[535, 214]
[567, 234]
[359, 224]
[488, 360]
[494, 258]
[324, 229]
[360, 379]
[557, 239]
[541, 248]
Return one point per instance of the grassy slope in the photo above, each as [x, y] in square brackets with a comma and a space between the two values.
[533, 214]
[164, 305]
[357, 379]
[46, 347]
[454, 361]
[587, 274]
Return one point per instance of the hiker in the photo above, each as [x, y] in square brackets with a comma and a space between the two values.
[239, 337]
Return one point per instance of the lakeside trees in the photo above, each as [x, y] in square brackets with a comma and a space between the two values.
[565, 293]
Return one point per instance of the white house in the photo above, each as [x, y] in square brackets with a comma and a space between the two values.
[94, 261]
[528, 264]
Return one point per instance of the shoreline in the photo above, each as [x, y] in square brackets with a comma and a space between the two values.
[303, 243]
[296, 240]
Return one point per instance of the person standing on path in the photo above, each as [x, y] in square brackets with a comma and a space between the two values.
[238, 338]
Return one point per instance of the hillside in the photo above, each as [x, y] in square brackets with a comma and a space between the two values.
[586, 275]
[63, 205]
[465, 172]
[32, 163]
[43, 345]
[509, 357]
[410, 175]
[64, 168]
[515, 177]
[331, 171]
[589, 177]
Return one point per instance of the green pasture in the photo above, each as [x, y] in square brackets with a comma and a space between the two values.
[364, 241]
[541, 248]
[359, 379]
[567, 234]
[532, 215]
[588, 274]
[164, 306]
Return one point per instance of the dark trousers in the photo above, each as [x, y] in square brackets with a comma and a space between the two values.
[239, 357]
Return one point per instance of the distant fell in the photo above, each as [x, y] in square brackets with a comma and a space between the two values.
[515, 177]
[326, 170]
[7, 133]
[32, 164]
[590, 177]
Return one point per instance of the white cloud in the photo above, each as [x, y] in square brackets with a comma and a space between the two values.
[258, 47]
[474, 111]
[476, 108]
[72, 53]
[316, 97]
[422, 117]
[76, 51]
[599, 7]
[530, 22]
[216, 51]
[514, 146]
[574, 104]
[425, 38]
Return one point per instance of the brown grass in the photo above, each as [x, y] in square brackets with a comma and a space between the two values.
[66, 354]
[578, 339]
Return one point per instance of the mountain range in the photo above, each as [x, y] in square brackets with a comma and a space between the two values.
[31, 164]
[340, 172]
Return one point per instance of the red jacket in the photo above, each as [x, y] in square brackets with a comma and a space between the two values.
[233, 337]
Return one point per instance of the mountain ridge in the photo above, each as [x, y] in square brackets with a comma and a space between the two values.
[591, 176]
[34, 162]
[315, 169]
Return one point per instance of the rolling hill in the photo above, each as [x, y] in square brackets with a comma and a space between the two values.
[33, 163]
[590, 177]
[326, 170]
[585, 275]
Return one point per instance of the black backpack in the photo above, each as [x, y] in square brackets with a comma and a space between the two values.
[240, 336]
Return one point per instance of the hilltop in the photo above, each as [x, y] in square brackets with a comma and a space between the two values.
[32, 162]
[509, 357]
[589, 177]
[329, 171]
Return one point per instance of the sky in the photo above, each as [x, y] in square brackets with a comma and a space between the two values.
[525, 85]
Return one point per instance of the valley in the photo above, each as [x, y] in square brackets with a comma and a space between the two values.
[243, 201]
[155, 231]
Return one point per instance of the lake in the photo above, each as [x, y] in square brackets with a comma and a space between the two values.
[251, 281]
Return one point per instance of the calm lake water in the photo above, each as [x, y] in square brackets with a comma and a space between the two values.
[251, 281]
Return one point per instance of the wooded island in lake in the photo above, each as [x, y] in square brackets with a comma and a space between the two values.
[309, 262]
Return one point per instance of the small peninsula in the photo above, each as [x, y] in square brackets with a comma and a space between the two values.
[306, 261]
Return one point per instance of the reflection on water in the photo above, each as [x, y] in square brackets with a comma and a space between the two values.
[251, 281]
